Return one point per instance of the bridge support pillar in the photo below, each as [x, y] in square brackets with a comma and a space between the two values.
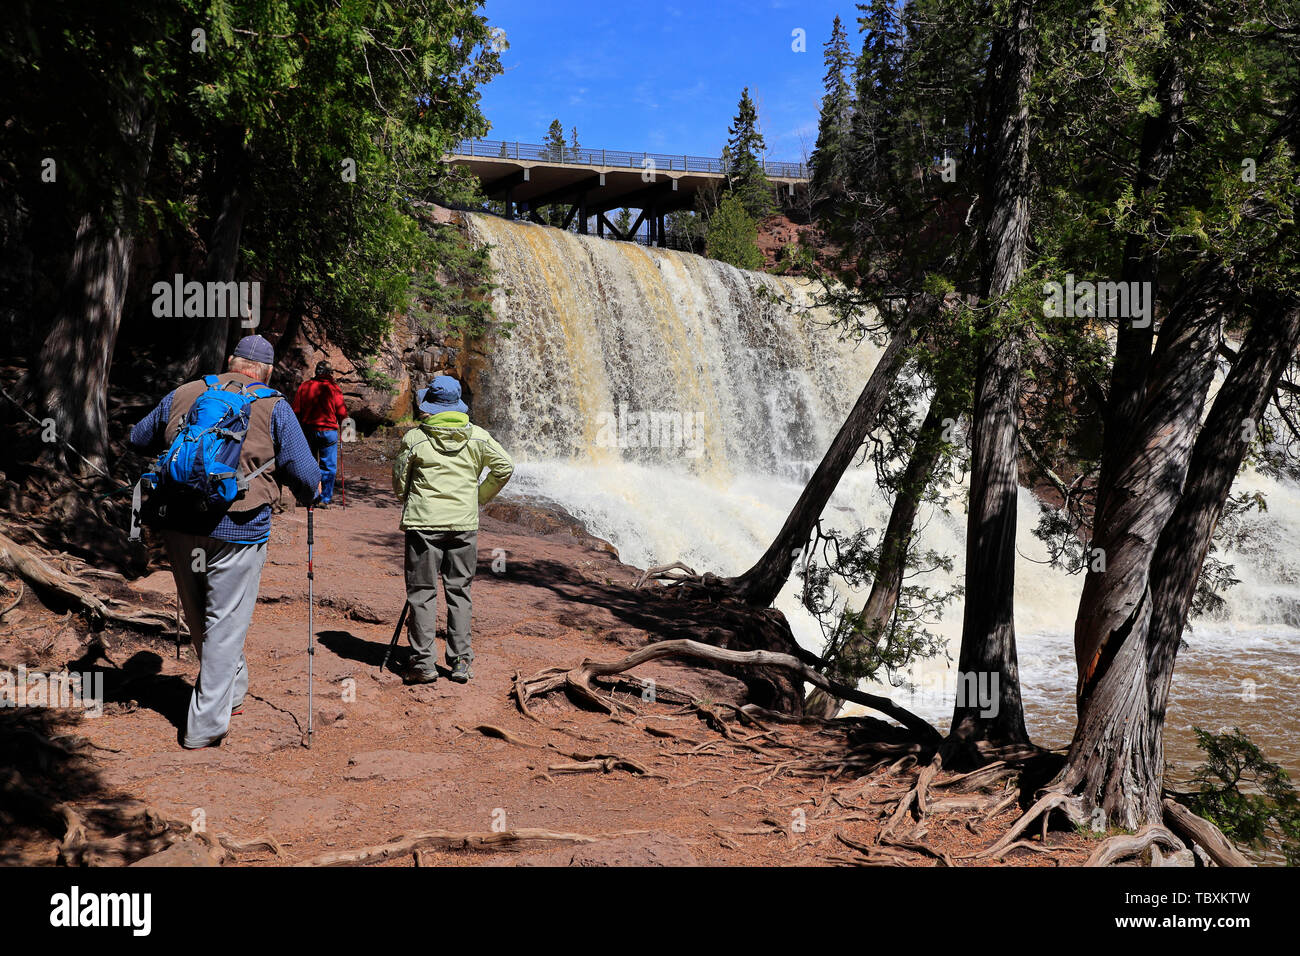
[582, 214]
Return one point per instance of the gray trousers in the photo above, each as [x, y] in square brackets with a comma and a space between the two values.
[217, 583]
[453, 556]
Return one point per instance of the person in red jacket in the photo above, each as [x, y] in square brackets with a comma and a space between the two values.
[318, 403]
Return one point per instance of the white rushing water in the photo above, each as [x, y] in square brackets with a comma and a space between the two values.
[675, 407]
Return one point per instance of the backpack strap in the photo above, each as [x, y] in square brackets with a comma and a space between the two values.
[258, 390]
[241, 482]
[137, 502]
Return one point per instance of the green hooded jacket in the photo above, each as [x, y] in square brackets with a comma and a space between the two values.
[436, 474]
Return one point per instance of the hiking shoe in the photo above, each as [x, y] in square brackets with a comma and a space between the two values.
[460, 672]
[416, 675]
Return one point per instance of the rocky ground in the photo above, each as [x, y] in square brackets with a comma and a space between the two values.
[660, 784]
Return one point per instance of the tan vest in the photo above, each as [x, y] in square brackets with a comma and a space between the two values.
[258, 447]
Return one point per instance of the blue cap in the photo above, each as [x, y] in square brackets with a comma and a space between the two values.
[255, 349]
[442, 395]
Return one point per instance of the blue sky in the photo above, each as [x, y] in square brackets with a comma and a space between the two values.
[663, 76]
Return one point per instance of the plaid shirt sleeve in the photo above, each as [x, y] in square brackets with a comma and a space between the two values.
[294, 462]
[149, 431]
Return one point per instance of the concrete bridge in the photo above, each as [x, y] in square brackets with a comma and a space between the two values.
[592, 182]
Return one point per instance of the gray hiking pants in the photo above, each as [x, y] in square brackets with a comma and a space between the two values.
[217, 583]
[453, 556]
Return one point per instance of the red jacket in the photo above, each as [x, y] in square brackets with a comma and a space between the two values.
[318, 403]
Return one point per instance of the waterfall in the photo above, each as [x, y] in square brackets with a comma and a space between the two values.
[676, 405]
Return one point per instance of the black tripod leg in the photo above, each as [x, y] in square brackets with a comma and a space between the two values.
[397, 633]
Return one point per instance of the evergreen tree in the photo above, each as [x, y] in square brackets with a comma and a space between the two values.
[232, 151]
[553, 148]
[831, 153]
[575, 151]
[623, 221]
[733, 235]
[744, 161]
[875, 101]
[686, 230]
[556, 150]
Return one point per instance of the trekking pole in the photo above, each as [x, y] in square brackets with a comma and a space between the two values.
[343, 484]
[311, 620]
[397, 632]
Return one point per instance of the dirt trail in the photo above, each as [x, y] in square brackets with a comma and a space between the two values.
[389, 759]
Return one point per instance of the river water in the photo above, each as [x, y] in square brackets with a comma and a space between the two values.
[675, 405]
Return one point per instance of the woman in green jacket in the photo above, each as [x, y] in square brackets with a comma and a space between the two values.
[436, 477]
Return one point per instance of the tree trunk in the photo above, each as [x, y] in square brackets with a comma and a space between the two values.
[1155, 522]
[878, 610]
[73, 364]
[72, 369]
[1116, 758]
[230, 200]
[1141, 264]
[988, 646]
[1269, 346]
[760, 585]
[1146, 485]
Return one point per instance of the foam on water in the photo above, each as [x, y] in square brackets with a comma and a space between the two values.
[605, 328]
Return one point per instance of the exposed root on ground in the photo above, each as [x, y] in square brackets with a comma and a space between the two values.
[1040, 813]
[16, 601]
[1130, 845]
[686, 576]
[36, 571]
[108, 832]
[489, 730]
[577, 681]
[450, 840]
[1018, 845]
[913, 801]
[581, 762]
[1183, 830]
[603, 763]
[1197, 831]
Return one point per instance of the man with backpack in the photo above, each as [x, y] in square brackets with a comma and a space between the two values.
[318, 403]
[228, 439]
[436, 477]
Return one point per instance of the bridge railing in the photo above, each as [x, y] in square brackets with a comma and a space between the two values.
[533, 152]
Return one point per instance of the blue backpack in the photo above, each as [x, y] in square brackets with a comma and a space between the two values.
[199, 472]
